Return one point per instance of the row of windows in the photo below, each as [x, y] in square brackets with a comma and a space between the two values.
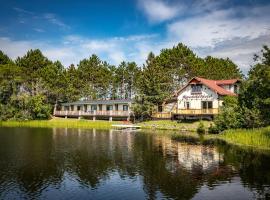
[96, 107]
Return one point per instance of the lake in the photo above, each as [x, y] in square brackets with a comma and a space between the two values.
[37, 163]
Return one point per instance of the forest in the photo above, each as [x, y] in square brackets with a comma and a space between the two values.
[31, 85]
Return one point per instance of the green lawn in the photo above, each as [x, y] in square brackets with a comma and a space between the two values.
[61, 123]
[172, 125]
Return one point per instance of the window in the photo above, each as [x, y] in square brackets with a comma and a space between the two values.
[109, 107]
[116, 107]
[125, 107]
[100, 107]
[85, 108]
[187, 105]
[207, 104]
[93, 107]
[78, 108]
[196, 88]
[72, 108]
[66, 108]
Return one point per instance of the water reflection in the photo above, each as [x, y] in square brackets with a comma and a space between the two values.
[74, 163]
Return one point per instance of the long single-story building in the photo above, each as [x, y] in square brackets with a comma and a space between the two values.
[96, 109]
[199, 98]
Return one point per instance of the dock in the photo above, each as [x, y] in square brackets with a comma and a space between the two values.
[126, 126]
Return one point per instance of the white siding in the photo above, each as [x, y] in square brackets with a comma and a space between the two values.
[195, 100]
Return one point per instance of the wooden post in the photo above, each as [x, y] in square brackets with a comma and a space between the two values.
[54, 109]
[94, 117]
[79, 114]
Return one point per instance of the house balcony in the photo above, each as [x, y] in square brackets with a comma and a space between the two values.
[103, 113]
[185, 112]
[211, 111]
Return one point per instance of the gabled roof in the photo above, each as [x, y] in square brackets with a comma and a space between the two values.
[227, 82]
[212, 84]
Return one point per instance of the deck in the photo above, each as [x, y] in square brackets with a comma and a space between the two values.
[105, 113]
[185, 112]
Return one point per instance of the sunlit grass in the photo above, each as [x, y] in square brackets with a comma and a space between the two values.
[259, 138]
[172, 125]
[61, 123]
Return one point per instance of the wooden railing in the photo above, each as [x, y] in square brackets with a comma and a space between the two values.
[162, 115]
[92, 113]
[167, 115]
[196, 111]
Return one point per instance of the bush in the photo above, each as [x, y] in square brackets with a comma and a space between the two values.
[230, 116]
[201, 128]
[38, 108]
[213, 129]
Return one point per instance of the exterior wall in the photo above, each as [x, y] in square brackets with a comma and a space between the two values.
[196, 99]
[104, 107]
[231, 87]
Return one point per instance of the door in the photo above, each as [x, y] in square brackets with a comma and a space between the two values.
[207, 107]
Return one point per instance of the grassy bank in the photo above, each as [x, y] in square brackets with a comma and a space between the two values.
[253, 138]
[172, 125]
[60, 123]
[258, 138]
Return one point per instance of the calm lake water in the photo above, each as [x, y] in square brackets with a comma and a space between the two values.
[92, 164]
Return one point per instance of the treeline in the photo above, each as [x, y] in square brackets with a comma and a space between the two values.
[251, 109]
[32, 84]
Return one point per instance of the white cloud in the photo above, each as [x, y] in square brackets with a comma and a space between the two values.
[28, 17]
[74, 48]
[159, 10]
[222, 33]
[218, 26]
[54, 20]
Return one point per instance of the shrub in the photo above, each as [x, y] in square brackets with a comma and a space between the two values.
[230, 116]
[201, 128]
[213, 129]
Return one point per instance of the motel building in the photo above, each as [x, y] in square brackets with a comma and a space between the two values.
[199, 98]
[95, 109]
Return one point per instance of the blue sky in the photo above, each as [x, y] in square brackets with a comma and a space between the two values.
[128, 30]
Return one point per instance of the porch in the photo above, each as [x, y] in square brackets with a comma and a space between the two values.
[93, 114]
[185, 113]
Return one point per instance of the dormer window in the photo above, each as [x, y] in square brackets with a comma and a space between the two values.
[196, 88]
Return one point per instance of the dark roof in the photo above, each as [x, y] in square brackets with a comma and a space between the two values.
[116, 101]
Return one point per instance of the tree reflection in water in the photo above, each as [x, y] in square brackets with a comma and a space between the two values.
[39, 163]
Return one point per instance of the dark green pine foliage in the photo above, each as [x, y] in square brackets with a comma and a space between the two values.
[94, 77]
[219, 68]
[32, 65]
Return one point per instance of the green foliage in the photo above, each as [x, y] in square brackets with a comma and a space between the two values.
[254, 95]
[230, 115]
[38, 107]
[142, 109]
[218, 69]
[213, 129]
[201, 128]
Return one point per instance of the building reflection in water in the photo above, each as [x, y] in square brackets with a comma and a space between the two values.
[190, 155]
[160, 167]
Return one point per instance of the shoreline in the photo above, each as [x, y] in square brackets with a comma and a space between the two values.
[253, 138]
